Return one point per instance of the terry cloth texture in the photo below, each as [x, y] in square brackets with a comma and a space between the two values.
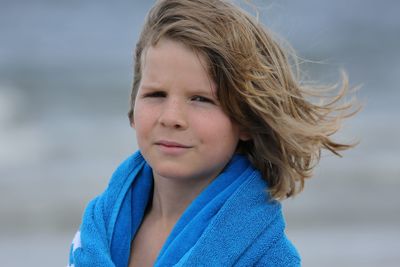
[231, 223]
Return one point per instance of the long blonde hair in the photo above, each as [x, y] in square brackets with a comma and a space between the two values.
[257, 88]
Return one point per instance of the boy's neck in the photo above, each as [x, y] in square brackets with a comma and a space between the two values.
[172, 197]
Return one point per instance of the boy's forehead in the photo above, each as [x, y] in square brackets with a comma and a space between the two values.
[158, 62]
[201, 55]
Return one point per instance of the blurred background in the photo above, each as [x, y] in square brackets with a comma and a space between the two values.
[65, 77]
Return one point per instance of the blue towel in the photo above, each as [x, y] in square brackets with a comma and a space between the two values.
[231, 223]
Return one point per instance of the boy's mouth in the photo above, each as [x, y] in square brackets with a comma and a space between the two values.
[171, 144]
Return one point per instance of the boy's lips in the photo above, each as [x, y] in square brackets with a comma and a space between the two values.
[172, 148]
[171, 144]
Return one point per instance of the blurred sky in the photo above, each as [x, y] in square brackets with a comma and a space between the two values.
[65, 77]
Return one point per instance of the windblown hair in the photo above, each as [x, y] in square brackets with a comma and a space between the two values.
[256, 85]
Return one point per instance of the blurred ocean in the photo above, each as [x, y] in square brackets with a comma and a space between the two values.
[65, 77]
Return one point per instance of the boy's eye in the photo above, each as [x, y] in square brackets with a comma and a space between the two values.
[202, 99]
[155, 94]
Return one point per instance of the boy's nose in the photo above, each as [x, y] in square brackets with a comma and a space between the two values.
[173, 115]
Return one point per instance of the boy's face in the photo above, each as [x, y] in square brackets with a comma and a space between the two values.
[181, 130]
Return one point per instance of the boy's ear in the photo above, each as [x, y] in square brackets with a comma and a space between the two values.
[244, 136]
[131, 118]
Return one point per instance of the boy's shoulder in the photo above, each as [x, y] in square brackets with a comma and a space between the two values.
[282, 253]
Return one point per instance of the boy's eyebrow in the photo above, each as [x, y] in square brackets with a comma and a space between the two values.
[191, 90]
[151, 86]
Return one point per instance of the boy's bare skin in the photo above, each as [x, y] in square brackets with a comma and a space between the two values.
[149, 240]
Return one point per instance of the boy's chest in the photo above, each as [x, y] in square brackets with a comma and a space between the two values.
[147, 244]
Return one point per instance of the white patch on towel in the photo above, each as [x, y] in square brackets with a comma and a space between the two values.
[76, 243]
